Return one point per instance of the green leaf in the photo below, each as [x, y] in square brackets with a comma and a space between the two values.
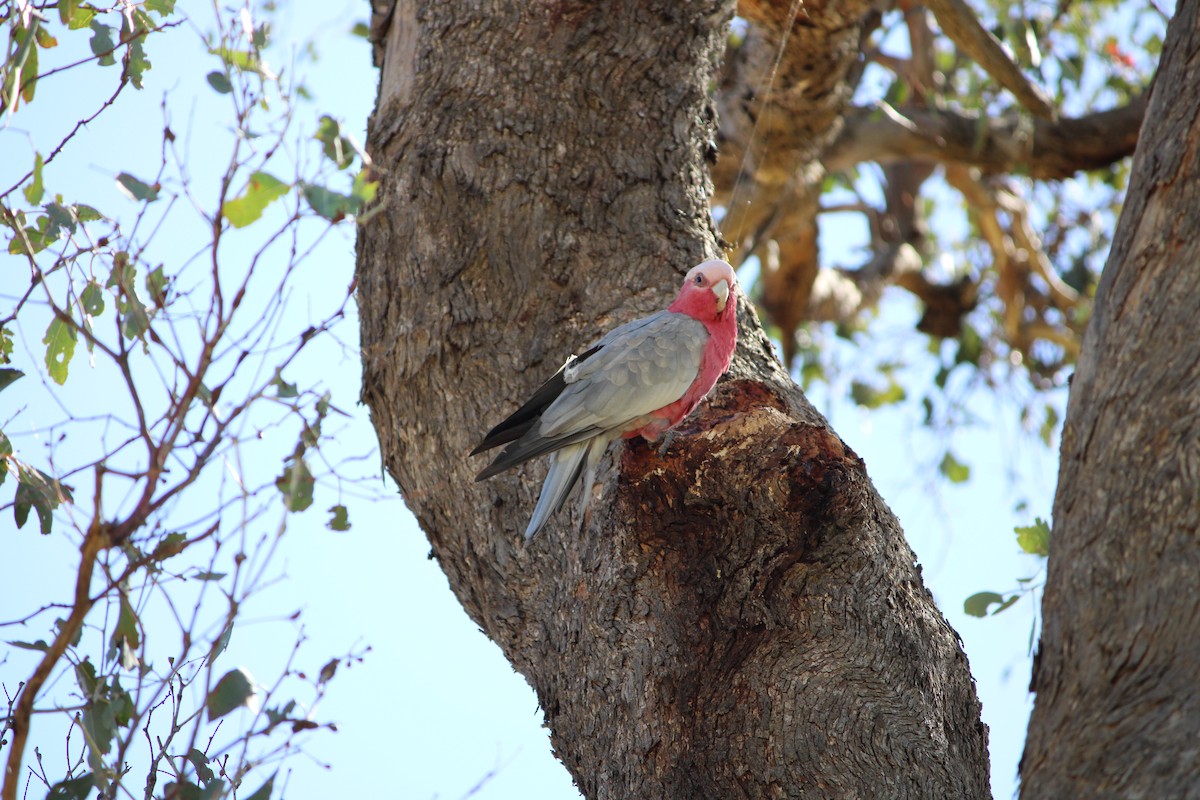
[171, 545]
[85, 676]
[977, 604]
[58, 219]
[337, 148]
[296, 483]
[222, 641]
[163, 8]
[283, 389]
[262, 190]
[137, 189]
[99, 728]
[102, 43]
[5, 451]
[360, 29]
[72, 788]
[6, 345]
[276, 716]
[219, 81]
[123, 272]
[328, 204]
[85, 213]
[364, 189]
[209, 576]
[40, 645]
[234, 690]
[66, 10]
[261, 36]
[264, 792]
[340, 521]
[181, 791]
[124, 641]
[135, 320]
[9, 376]
[37, 490]
[970, 346]
[215, 790]
[37, 235]
[244, 61]
[200, 764]
[870, 397]
[1034, 539]
[136, 62]
[156, 287]
[1049, 425]
[76, 16]
[34, 191]
[25, 75]
[92, 299]
[60, 346]
[44, 38]
[954, 470]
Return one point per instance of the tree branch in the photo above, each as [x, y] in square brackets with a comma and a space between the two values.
[94, 542]
[959, 22]
[1039, 148]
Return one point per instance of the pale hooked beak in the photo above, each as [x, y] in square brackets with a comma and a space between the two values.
[721, 290]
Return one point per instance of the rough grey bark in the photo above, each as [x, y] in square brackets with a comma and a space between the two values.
[1118, 710]
[740, 617]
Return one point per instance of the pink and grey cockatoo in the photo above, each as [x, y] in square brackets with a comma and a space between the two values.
[639, 380]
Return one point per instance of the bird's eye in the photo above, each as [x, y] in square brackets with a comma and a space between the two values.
[699, 280]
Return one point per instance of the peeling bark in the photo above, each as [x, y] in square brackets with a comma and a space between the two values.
[740, 617]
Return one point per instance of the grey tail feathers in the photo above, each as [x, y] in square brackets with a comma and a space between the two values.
[566, 467]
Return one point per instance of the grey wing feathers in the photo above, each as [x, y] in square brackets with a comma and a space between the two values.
[525, 417]
[635, 369]
[640, 368]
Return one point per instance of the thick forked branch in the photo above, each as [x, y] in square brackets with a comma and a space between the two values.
[779, 104]
[1039, 148]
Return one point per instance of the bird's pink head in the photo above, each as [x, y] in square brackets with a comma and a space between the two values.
[708, 292]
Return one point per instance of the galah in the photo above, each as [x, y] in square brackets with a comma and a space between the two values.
[639, 380]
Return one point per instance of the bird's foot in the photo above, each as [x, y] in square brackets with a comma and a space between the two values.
[665, 443]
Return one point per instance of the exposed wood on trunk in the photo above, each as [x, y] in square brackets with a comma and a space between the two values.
[740, 617]
[1117, 712]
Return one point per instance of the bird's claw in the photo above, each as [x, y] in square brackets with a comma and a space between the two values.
[665, 443]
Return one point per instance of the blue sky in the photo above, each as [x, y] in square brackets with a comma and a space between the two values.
[434, 709]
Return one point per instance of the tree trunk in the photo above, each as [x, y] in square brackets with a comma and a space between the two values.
[1118, 711]
[740, 617]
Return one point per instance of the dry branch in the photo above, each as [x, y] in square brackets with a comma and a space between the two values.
[959, 22]
[1039, 148]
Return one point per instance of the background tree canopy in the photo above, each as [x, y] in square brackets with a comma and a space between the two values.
[921, 203]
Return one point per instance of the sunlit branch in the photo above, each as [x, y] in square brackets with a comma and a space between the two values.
[1038, 148]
